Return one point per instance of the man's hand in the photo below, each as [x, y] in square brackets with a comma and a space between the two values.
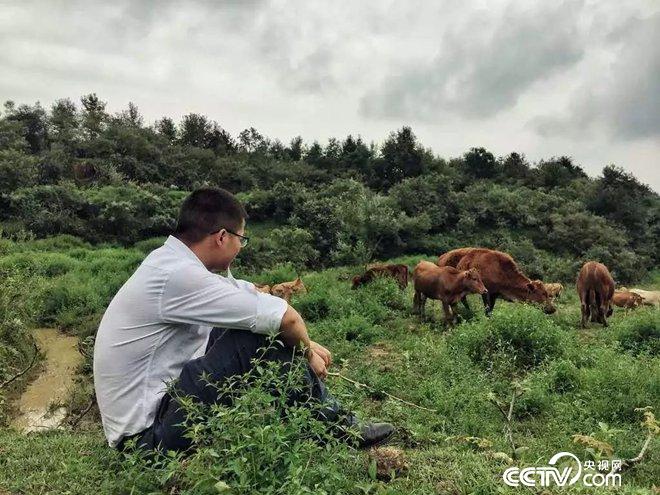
[317, 364]
[322, 352]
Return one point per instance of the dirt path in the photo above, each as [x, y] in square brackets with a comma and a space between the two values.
[52, 386]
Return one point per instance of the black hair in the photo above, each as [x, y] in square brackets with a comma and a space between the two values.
[206, 211]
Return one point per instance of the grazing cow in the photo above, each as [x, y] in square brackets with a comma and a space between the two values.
[453, 257]
[501, 276]
[627, 300]
[554, 290]
[397, 272]
[286, 289]
[649, 297]
[447, 284]
[595, 286]
[262, 288]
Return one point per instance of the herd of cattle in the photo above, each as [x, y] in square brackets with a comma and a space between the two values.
[493, 274]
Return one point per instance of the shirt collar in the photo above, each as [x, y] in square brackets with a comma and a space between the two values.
[178, 246]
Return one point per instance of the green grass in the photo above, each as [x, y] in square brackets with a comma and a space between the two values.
[573, 381]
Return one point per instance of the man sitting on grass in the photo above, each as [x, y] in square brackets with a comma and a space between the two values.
[174, 319]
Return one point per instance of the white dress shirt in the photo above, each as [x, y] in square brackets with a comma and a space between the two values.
[160, 319]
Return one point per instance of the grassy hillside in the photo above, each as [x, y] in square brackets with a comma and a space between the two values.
[572, 382]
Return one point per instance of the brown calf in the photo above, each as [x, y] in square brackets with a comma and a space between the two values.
[447, 284]
[286, 289]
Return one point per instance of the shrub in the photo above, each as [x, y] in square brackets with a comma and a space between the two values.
[516, 337]
[283, 272]
[282, 449]
[30, 263]
[563, 376]
[313, 306]
[149, 245]
[617, 383]
[638, 332]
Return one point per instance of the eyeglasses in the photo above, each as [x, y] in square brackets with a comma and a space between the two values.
[244, 239]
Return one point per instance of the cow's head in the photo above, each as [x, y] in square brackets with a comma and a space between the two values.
[298, 286]
[537, 292]
[473, 281]
[357, 281]
[282, 290]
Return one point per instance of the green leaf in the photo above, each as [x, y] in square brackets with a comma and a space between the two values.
[373, 469]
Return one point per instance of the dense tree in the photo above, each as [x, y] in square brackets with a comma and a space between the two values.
[401, 157]
[480, 163]
[64, 125]
[131, 116]
[622, 199]
[111, 178]
[166, 128]
[314, 155]
[251, 141]
[296, 149]
[195, 129]
[94, 116]
[355, 156]
[32, 124]
[557, 172]
[515, 167]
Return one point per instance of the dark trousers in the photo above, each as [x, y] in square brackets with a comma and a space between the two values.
[228, 353]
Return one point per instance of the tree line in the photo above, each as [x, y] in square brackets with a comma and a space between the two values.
[78, 169]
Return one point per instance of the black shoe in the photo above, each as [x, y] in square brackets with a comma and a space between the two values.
[371, 434]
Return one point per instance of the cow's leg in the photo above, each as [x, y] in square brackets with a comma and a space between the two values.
[491, 299]
[486, 299]
[602, 310]
[449, 316]
[584, 310]
[416, 302]
[422, 305]
[465, 303]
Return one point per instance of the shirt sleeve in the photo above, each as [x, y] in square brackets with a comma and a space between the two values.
[199, 297]
[244, 284]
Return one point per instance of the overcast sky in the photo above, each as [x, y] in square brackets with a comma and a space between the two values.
[543, 78]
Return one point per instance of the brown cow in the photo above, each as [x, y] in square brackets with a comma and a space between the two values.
[501, 276]
[397, 272]
[627, 300]
[286, 289]
[447, 284]
[595, 286]
[649, 297]
[453, 257]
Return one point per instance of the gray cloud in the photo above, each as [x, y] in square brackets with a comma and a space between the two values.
[480, 70]
[533, 76]
[623, 96]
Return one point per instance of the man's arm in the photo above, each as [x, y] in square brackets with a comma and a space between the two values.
[293, 332]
